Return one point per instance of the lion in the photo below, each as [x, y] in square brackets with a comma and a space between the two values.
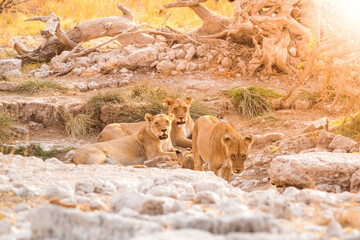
[220, 145]
[181, 128]
[151, 141]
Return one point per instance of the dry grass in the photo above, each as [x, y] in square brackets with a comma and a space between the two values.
[73, 12]
[36, 86]
[348, 126]
[252, 101]
[80, 125]
[6, 121]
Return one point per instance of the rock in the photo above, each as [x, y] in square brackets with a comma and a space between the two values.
[43, 74]
[13, 73]
[94, 85]
[334, 229]
[164, 191]
[97, 204]
[181, 66]
[68, 157]
[206, 197]
[171, 55]
[24, 191]
[21, 207]
[8, 86]
[268, 138]
[355, 182]
[325, 138]
[316, 125]
[190, 53]
[127, 199]
[293, 51]
[85, 186]
[83, 62]
[339, 151]
[7, 65]
[296, 144]
[307, 170]
[45, 67]
[341, 142]
[188, 234]
[142, 57]
[83, 87]
[302, 105]
[180, 54]
[191, 67]
[61, 190]
[161, 56]
[21, 130]
[78, 71]
[154, 64]
[165, 66]
[4, 179]
[5, 225]
[270, 201]
[226, 62]
[53, 222]
[35, 126]
[161, 205]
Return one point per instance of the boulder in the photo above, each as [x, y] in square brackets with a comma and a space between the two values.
[181, 66]
[296, 144]
[7, 65]
[316, 125]
[8, 86]
[341, 142]
[324, 139]
[142, 57]
[226, 62]
[35, 126]
[302, 105]
[307, 170]
[13, 73]
[190, 53]
[355, 182]
[165, 66]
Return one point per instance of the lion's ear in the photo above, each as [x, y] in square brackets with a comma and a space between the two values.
[188, 100]
[169, 101]
[171, 116]
[249, 140]
[148, 118]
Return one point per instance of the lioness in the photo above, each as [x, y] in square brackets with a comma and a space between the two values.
[152, 141]
[220, 145]
[185, 158]
[181, 128]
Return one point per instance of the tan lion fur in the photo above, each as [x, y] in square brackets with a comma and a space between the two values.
[220, 145]
[133, 149]
[181, 127]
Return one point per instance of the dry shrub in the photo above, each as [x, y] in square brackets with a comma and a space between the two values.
[6, 121]
[309, 96]
[35, 86]
[349, 126]
[252, 101]
[80, 125]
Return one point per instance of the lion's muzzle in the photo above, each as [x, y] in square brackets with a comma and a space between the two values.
[164, 136]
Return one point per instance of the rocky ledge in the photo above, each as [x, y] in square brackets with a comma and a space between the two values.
[52, 200]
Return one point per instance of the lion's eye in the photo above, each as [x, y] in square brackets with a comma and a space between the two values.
[157, 123]
[185, 109]
[243, 157]
[233, 156]
[167, 121]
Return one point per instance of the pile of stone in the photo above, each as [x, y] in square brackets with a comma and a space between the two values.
[113, 202]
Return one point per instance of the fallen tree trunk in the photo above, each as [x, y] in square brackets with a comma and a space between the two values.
[56, 40]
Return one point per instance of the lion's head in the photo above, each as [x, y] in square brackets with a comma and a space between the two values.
[180, 108]
[160, 124]
[237, 149]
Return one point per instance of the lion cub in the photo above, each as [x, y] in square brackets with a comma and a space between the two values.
[220, 145]
[152, 141]
[181, 130]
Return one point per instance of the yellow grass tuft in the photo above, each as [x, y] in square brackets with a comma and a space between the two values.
[73, 12]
